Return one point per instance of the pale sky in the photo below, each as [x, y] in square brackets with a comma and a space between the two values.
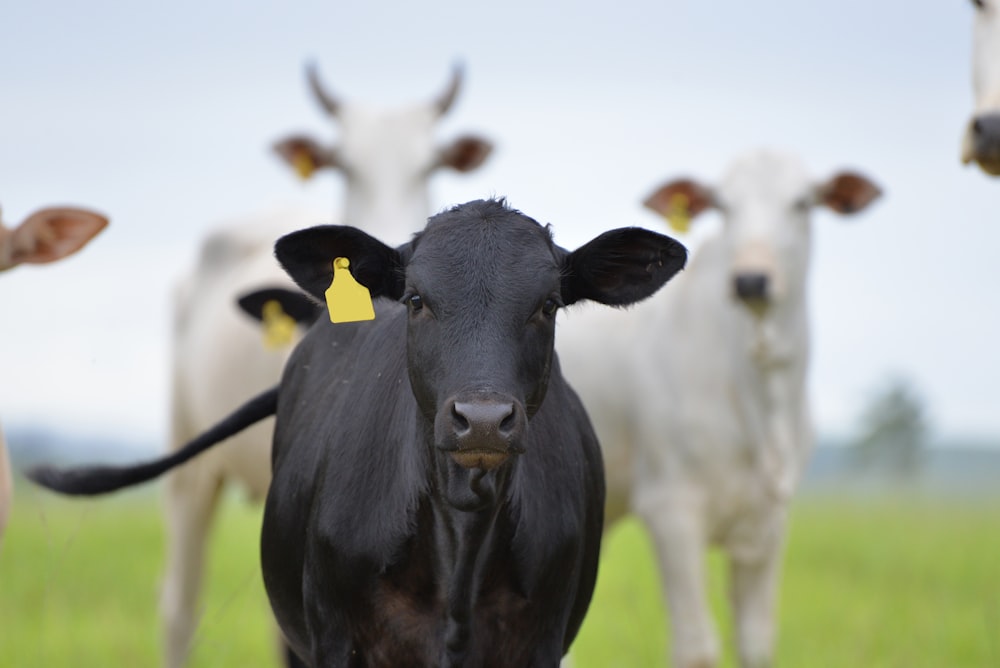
[161, 114]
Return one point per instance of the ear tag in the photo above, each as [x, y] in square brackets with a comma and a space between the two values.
[678, 216]
[279, 327]
[303, 164]
[346, 299]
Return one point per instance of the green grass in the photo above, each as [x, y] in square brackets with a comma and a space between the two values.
[79, 585]
[871, 582]
[874, 582]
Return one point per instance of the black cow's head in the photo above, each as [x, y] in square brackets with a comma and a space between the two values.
[482, 285]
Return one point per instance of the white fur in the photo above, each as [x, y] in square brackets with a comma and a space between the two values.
[701, 405]
[985, 69]
[219, 358]
[986, 57]
[6, 486]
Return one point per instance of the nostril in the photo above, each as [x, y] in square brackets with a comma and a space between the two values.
[460, 421]
[977, 126]
[484, 422]
[509, 424]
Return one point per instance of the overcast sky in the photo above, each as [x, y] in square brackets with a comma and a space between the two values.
[161, 115]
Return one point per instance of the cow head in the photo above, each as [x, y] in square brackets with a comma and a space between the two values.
[48, 235]
[981, 143]
[482, 285]
[765, 200]
[386, 156]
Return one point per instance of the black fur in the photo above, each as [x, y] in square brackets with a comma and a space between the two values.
[389, 537]
[295, 304]
[377, 548]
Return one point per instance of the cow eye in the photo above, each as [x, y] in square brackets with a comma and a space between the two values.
[980, 4]
[550, 307]
[416, 303]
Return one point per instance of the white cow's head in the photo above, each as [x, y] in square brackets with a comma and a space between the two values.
[981, 143]
[386, 156]
[765, 200]
[48, 235]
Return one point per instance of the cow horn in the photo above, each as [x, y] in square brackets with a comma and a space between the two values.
[330, 103]
[447, 98]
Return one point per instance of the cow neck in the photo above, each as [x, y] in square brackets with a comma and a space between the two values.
[393, 218]
[778, 356]
[462, 539]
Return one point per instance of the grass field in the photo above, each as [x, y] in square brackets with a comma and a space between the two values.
[869, 582]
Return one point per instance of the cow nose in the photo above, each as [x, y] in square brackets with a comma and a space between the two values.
[484, 422]
[486, 432]
[986, 127]
[751, 287]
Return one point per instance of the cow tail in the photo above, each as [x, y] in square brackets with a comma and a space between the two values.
[91, 480]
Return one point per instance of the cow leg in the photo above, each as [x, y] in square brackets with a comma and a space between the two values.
[753, 593]
[191, 498]
[680, 545]
[292, 659]
[6, 486]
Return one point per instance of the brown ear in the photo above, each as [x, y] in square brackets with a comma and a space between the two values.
[847, 192]
[466, 153]
[53, 233]
[305, 155]
[664, 199]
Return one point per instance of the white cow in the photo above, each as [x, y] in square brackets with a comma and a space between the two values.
[45, 236]
[219, 360]
[699, 398]
[981, 143]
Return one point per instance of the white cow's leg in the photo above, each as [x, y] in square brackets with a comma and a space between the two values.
[191, 498]
[753, 591]
[680, 544]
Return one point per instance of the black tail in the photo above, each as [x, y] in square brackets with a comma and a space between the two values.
[90, 480]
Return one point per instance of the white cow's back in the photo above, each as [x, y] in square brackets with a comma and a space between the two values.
[219, 357]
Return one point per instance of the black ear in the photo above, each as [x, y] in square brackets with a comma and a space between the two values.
[297, 305]
[308, 255]
[621, 267]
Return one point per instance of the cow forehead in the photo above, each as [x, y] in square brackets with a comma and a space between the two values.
[367, 132]
[764, 179]
[484, 245]
[986, 56]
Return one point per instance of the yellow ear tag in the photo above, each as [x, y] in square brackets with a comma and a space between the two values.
[678, 215]
[303, 164]
[346, 299]
[279, 327]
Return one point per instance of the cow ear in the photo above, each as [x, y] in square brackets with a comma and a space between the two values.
[621, 267]
[683, 198]
[308, 255]
[847, 192]
[465, 153]
[305, 155]
[53, 233]
[297, 305]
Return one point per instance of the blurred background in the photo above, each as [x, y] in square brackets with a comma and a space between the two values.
[161, 115]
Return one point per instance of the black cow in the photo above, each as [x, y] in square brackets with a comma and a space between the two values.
[438, 490]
